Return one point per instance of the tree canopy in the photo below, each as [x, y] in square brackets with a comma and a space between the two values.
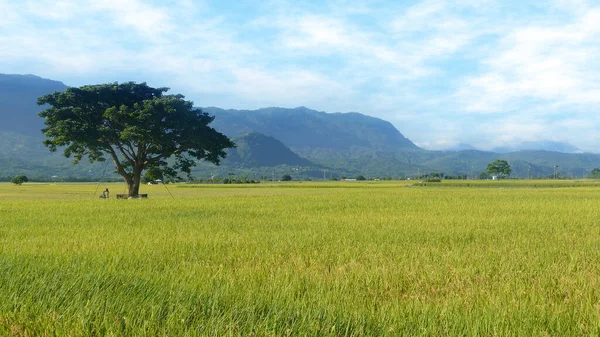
[499, 168]
[20, 179]
[135, 125]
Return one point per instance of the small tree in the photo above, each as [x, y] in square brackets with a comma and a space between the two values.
[286, 177]
[137, 126]
[18, 180]
[499, 168]
[595, 174]
[360, 177]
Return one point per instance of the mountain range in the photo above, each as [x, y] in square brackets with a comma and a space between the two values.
[274, 141]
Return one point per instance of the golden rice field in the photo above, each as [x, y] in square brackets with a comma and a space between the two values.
[302, 259]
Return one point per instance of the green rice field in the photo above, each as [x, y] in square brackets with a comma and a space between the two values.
[302, 259]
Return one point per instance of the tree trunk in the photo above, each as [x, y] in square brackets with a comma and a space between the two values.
[133, 185]
[136, 178]
[130, 184]
[133, 188]
[133, 179]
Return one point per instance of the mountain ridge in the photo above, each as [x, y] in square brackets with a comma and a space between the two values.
[256, 150]
[302, 128]
[316, 141]
[18, 102]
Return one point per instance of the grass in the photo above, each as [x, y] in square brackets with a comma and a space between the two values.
[300, 259]
[511, 183]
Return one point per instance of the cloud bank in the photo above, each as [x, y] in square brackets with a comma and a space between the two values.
[488, 73]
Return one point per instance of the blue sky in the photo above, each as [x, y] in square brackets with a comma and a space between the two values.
[483, 72]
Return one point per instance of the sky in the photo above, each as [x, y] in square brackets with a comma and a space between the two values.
[480, 72]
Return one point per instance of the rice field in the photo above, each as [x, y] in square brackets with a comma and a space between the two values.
[301, 259]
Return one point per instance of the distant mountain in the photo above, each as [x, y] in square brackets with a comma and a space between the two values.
[527, 163]
[543, 145]
[462, 147]
[23, 154]
[276, 141]
[18, 102]
[256, 150]
[305, 130]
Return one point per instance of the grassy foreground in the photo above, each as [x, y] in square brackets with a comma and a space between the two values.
[309, 259]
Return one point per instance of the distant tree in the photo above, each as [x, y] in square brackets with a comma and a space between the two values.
[595, 174]
[483, 176]
[135, 125]
[286, 177]
[20, 179]
[360, 177]
[499, 168]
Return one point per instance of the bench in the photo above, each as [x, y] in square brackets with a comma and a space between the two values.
[126, 196]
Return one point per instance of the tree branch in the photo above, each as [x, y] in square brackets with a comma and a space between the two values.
[153, 159]
[128, 156]
[118, 164]
[131, 150]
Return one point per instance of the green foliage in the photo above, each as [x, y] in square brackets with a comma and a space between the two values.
[243, 180]
[20, 179]
[286, 177]
[456, 177]
[152, 174]
[360, 177]
[137, 126]
[499, 168]
[595, 174]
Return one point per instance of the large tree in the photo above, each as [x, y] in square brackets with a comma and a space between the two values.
[499, 168]
[135, 125]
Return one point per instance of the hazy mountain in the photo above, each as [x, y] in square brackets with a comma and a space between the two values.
[462, 147]
[18, 102]
[525, 163]
[255, 150]
[544, 145]
[23, 154]
[305, 130]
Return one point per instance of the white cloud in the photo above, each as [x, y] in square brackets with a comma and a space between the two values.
[552, 63]
[149, 21]
[290, 88]
[442, 71]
